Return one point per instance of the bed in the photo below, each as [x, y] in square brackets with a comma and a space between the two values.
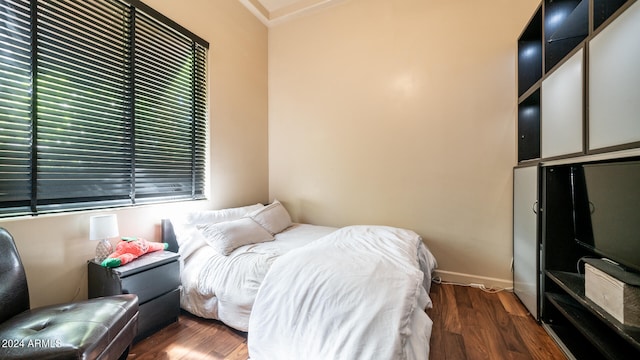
[305, 291]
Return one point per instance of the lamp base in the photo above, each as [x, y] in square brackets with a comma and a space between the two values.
[103, 250]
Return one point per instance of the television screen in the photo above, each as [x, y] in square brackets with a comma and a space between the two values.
[606, 210]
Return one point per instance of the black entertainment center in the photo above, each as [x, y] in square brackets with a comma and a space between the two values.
[578, 206]
[576, 210]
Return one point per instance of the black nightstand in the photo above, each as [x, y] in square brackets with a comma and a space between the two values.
[154, 277]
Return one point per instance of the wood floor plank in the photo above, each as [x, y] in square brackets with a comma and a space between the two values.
[511, 304]
[437, 344]
[537, 341]
[467, 324]
[503, 319]
[192, 338]
[454, 347]
[449, 311]
[239, 353]
[481, 340]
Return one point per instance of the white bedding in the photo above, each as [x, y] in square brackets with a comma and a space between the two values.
[357, 293]
[224, 287]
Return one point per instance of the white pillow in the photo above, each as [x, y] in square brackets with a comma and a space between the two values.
[273, 217]
[189, 240]
[216, 216]
[227, 236]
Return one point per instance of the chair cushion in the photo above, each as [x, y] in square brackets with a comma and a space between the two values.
[82, 330]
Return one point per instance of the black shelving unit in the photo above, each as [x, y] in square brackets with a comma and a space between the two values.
[554, 33]
[581, 326]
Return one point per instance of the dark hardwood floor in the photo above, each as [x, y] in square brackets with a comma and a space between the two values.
[467, 324]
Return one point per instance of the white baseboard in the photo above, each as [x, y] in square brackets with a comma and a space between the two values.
[468, 279]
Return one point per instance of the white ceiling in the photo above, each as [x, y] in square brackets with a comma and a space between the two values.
[271, 12]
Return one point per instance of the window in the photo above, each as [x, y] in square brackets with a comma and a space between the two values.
[102, 103]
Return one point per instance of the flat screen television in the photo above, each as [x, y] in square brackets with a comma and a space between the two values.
[606, 210]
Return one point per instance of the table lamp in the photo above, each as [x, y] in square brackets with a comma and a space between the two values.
[103, 227]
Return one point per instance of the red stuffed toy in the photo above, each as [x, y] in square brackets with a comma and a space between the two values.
[130, 249]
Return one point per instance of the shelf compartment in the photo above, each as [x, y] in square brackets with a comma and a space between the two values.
[573, 285]
[530, 54]
[529, 127]
[603, 9]
[566, 24]
[563, 333]
[609, 345]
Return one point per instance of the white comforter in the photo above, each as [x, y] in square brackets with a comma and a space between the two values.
[357, 293]
[224, 287]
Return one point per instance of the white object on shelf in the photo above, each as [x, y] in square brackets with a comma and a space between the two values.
[620, 300]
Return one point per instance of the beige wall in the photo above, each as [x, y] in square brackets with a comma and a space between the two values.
[402, 113]
[389, 112]
[54, 248]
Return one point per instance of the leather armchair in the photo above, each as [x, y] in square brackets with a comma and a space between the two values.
[101, 328]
